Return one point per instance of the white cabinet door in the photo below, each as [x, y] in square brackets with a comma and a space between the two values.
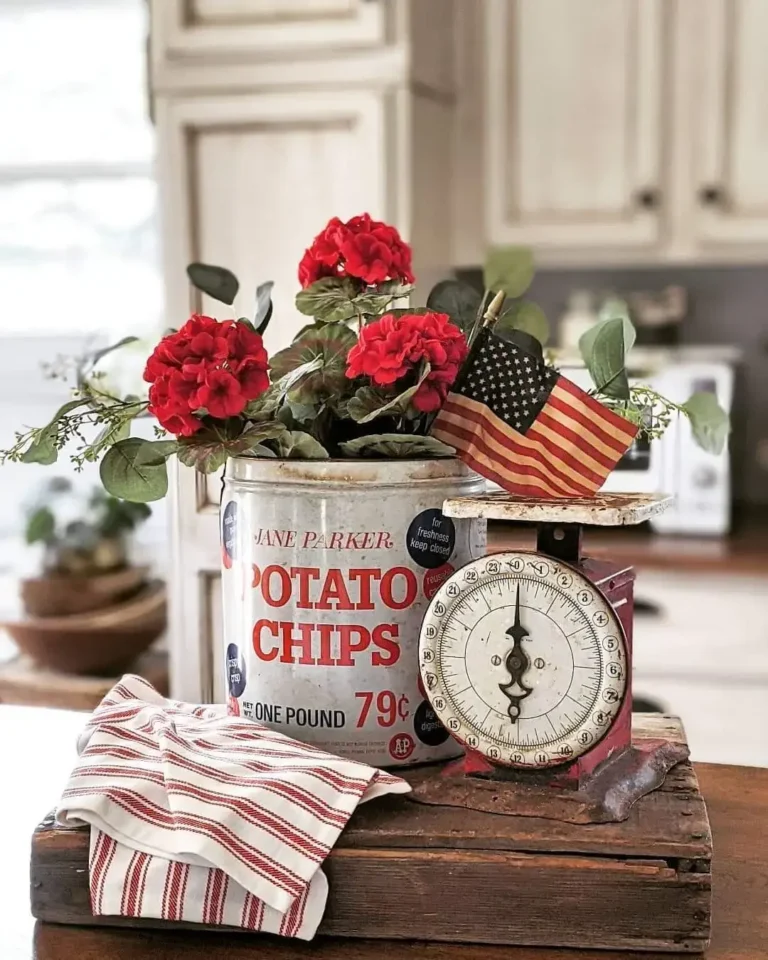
[246, 181]
[574, 117]
[730, 38]
[216, 28]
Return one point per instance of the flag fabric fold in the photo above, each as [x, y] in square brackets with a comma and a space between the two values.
[203, 817]
[526, 427]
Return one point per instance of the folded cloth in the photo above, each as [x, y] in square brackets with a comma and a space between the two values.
[202, 817]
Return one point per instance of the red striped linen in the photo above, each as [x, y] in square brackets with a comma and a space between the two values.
[207, 818]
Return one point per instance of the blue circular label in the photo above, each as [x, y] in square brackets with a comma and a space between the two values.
[229, 530]
[235, 671]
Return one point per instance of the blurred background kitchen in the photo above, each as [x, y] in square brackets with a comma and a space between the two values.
[625, 142]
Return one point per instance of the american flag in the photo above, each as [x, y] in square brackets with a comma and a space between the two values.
[526, 427]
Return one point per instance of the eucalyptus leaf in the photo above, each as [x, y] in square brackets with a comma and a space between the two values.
[710, 424]
[107, 436]
[217, 282]
[259, 450]
[459, 300]
[604, 349]
[527, 316]
[328, 300]
[509, 269]
[155, 452]
[43, 450]
[40, 525]
[124, 475]
[296, 445]
[98, 354]
[264, 306]
[396, 445]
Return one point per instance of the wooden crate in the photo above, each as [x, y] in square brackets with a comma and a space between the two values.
[411, 871]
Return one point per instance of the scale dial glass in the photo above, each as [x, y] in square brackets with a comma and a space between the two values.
[523, 659]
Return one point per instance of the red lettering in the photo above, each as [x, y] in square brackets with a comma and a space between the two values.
[336, 541]
[334, 590]
[326, 658]
[366, 578]
[285, 586]
[347, 647]
[304, 575]
[384, 541]
[310, 538]
[304, 643]
[256, 576]
[257, 648]
[368, 541]
[385, 638]
[411, 588]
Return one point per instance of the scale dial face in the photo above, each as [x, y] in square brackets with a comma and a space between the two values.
[523, 659]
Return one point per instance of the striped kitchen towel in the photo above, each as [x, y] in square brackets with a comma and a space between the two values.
[203, 817]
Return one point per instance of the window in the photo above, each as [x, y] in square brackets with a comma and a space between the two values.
[78, 237]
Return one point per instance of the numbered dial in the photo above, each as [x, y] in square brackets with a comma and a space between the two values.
[523, 659]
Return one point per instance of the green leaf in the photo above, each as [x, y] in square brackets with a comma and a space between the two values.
[44, 450]
[217, 282]
[408, 311]
[204, 456]
[107, 436]
[604, 348]
[98, 354]
[373, 303]
[328, 300]
[125, 475]
[396, 445]
[710, 424]
[527, 316]
[40, 525]
[509, 269]
[155, 452]
[263, 312]
[369, 403]
[324, 349]
[296, 445]
[254, 434]
[459, 300]
[259, 450]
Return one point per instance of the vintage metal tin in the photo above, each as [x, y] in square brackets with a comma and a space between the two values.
[328, 569]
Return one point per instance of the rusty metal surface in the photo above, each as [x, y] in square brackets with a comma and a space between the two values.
[605, 797]
[604, 509]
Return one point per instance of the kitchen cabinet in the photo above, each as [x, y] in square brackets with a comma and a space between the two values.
[626, 132]
[704, 657]
[731, 129]
[271, 118]
[575, 114]
[241, 28]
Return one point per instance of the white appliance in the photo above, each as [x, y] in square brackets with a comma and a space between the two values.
[674, 464]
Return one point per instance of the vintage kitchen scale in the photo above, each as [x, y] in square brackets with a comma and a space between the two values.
[564, 825]
[526, 657]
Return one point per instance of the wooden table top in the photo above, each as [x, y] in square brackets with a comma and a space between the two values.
[37, 751]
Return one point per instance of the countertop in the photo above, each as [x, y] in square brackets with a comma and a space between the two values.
[744, 552]
[37, 750]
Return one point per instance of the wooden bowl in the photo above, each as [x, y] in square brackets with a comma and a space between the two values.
[59, 595]
[100, 642]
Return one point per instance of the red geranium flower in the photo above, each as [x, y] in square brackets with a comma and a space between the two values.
[220, 395]
[391, 348]
[364, 249]
[207, 364]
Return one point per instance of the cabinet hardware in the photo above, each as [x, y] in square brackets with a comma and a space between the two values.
[649, 198]
[711, 196]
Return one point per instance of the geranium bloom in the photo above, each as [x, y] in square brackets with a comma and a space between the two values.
[364, 249]
[208, 365]
[392, 348]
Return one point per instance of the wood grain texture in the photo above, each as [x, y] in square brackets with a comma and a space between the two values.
[471, 876]
[736, 798]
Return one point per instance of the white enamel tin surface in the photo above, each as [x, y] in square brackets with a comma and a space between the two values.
[328, 568]
[524, 659]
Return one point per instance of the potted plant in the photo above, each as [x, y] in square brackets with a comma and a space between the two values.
[333, 539]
